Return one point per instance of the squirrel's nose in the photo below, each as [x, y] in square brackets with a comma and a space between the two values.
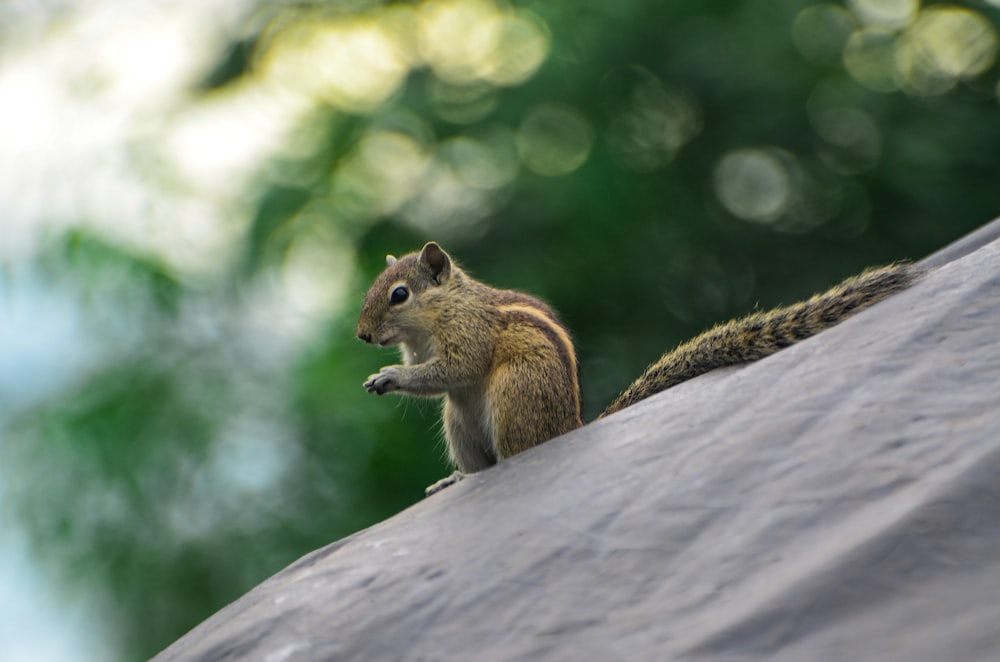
[367, 337]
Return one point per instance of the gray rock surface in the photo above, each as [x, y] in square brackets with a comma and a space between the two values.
[839, 500]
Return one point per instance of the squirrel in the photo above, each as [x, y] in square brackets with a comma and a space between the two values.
[507, 367]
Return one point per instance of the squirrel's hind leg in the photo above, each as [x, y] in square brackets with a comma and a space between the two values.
[528, 408]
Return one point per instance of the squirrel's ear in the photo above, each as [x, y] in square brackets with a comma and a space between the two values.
[437, 261]
[390, 260]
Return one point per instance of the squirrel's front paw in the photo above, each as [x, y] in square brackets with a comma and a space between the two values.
[385, 380]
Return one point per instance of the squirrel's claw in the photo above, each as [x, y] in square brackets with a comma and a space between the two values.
[383, 381]
[444, 482]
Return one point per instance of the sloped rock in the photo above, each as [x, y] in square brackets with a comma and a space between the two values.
[839, 500]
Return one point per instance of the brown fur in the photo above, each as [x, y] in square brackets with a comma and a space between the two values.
[503, 360]
[506, 364]
[761, 334]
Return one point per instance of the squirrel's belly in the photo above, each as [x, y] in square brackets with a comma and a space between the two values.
[469, 431]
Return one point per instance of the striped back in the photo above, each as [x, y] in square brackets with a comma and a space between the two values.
[533, 312]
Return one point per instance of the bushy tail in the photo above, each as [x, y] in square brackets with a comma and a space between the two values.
[764, 333]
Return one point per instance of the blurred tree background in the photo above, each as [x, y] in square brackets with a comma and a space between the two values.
[194, 197]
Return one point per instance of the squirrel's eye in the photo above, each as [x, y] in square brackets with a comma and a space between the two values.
[399, 294]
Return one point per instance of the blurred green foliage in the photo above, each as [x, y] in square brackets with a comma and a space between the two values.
[648, 167]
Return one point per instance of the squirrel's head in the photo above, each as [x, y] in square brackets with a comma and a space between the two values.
[401, 299]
